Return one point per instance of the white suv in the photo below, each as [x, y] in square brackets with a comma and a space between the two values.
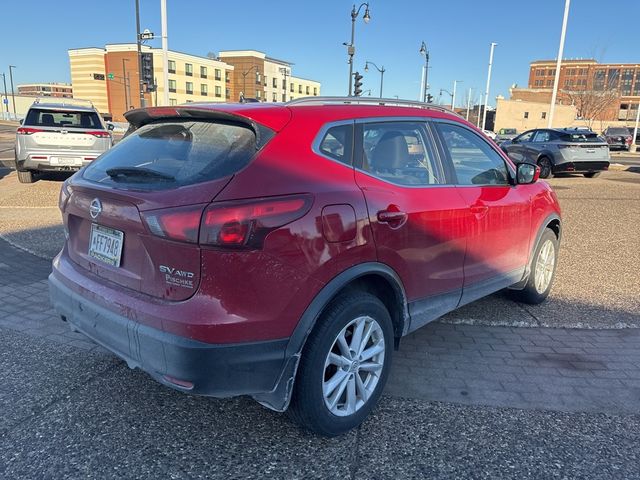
[59, 137]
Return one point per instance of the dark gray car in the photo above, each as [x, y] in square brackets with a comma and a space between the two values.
[556, 150]
[505, 134]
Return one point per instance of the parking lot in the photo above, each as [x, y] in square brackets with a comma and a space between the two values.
[494, 390]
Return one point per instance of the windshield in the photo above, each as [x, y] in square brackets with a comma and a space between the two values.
[508, 131]
[618, 131]
[172, 154]
[40, 117]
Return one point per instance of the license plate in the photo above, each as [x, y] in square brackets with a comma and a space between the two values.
[66, 161]
[105, 244]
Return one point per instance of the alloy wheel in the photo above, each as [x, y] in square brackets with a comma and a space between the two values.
[545, 265]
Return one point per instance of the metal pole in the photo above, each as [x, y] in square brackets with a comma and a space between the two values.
[13, 96]
[4, 80]
[468, 104]
[351, 49]
[381, 80]
[453, 95]
[556, 80]
[128, 85]
[426, 75]
[422, 90]
[633, 147]
[165, 54]
[124, 82]
[486, 92]
[142, 102]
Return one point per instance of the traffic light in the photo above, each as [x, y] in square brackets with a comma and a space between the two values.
[110, 76]
[147, 69]
[429, 98]
[357, 84]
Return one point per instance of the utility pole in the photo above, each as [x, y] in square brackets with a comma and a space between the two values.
[13, 95]
[125, 86]
[556, 79]
[165, 55]
[468, 103]
[486, 92]
[6, 100]
[453, 95]
[139, 44]
[633, 147]
[351, 48]
[424, 51]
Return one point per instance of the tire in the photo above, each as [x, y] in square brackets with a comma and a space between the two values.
[347, 314]
[25, 176]
[592, 174]
[537, 289]
[546, 167]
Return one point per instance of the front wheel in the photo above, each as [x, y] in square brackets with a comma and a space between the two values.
[592, 174]
[543, 270]
[546, 169]
[344, 365]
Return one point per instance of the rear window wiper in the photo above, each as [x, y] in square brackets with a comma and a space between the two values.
[128, 172]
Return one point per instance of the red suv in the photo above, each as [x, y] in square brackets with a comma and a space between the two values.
[281, 251]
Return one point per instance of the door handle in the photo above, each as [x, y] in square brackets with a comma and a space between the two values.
[394, 218]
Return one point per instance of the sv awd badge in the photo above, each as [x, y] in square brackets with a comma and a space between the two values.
[178, 278]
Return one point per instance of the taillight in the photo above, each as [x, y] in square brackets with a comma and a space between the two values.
[180, 224]
[27, 131]
[99, 134]
[64, 197]
[245, 224]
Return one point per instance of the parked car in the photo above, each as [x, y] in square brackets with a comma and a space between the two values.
[572, 150]
[631, 131]
[281, 251]
[618, 138]
[59, 137]
[490, 134]
[505, 134]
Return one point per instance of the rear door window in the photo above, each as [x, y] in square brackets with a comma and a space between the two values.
[400, 153]
[172, 154]
[579, 137]
[39, 117]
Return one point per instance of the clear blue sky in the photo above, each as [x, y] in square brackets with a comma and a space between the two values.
[36, 35]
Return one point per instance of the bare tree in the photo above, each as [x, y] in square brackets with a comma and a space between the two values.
[595, 96]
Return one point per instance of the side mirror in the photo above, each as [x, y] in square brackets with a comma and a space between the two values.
[515, 140]
[527, 173]
[110, 126]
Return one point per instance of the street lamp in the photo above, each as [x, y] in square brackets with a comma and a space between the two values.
[127, 98]
[244, 81]
[486, 92]
[13, 95]
[556, 79]
[453, 95]
[381, 70]
[5, 100]
[351, 48]
[424, 52]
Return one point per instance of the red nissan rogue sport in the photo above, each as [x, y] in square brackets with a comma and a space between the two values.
[281, 251]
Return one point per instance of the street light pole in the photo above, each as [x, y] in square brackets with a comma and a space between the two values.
[468, 104]
[556, 80]
[381, 70]
[165, 55]
[633, 147]
[6, 101]
[453, 95]
[139, 44]
[425, 52]
[351, 48]
[486, 92]
[13, 95]
[284, 71]
[124, 81]
[244, 81]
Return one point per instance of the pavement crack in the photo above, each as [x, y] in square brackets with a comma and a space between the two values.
[531, 314]
[25, 422]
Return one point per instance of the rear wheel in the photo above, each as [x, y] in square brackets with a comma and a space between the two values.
[546, 168]
[25, 176]
[344, 365]
[592, 174]
[543, 270]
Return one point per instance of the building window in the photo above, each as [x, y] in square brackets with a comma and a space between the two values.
[227, 77]
[258, 94]
[614, 78]
[188, 69]
[204, 89]
[284, 97]
[275, 83]
[526, 114]
[258, 78]
[227, 93]
[315, 91]
[549, 83]
[543, 115]
[189, 88]
[172, 66]
[284, 83]
[173, 102]
[218, 91]
[172, 86]
[299, 88]
[598, 79]
[275, 97]
[218, 74]
[291, 87]
[308, 90]
[203, 72]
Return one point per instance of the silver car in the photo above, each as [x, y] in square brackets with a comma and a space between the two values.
[556, 150]
[59, 137]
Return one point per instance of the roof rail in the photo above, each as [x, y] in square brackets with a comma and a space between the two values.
[394, 102]
[63, 101]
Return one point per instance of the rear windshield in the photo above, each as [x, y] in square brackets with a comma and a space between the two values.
[618, 131]
[39, 117]
[508, 131]
[586, 137]
[173, 154]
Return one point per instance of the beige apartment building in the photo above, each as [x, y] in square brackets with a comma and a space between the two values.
[109, 78]
[62, 90]
[523, 115]
[265, 78]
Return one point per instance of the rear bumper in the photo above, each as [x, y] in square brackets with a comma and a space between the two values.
[218, 370]
[56, 160]
[581, 167]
